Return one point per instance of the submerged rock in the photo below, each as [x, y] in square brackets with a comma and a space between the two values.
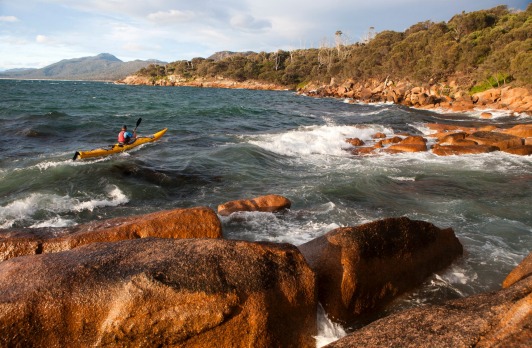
[362, 268]
[269, 203]
[199, 222]
[160, 292]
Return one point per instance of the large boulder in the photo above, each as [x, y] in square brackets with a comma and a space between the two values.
[523, 270]
[160, 292]
[523, 150]
[500, 319]
[269, 203]
[412, 143]
[500, 140]
[462, 149]
[520, 130]
[362, 268]
[199, 222]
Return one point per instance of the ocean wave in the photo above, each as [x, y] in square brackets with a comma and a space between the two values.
[25, 209]
[279, 228]
[312, 140]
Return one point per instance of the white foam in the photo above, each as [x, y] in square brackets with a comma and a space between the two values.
[264, 226]
[316, 140]
[402, 178]
[328, 331]
[23, 209]
[54, 222]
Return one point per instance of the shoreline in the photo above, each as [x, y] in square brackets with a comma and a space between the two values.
[443, 97]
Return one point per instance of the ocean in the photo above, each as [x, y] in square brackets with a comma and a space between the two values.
[225, 144]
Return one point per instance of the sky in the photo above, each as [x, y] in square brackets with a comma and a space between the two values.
[37, 33]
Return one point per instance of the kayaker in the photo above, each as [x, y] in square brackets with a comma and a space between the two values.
[124, 137]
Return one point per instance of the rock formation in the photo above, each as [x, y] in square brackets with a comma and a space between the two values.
[452, 140]
[447, 95]
[362, 268]
[160, 292]
[497, 319]
[269, 203]
[200, 222]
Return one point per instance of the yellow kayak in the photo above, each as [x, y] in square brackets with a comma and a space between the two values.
[117, 148]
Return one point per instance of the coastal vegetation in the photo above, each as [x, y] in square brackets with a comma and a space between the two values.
[479, 50]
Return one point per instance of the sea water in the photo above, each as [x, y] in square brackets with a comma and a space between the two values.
[223, 145]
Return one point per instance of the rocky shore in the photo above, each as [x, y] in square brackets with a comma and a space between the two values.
[218, 82]
[172, 279]
[447, 97]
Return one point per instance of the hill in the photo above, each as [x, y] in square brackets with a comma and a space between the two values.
[103, 67]
[476, 50]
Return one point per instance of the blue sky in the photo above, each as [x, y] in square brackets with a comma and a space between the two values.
[36, 33]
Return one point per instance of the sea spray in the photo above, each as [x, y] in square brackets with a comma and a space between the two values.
[328, 331]
[25, 210]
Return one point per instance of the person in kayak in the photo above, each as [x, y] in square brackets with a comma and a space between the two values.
[124, 137]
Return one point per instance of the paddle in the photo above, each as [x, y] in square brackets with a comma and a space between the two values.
[138, 123]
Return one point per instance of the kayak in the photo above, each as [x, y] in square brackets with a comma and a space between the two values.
[117, 148]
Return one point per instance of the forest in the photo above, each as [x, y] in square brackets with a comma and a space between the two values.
[479, 50]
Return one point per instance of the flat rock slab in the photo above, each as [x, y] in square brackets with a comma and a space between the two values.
[199, 222]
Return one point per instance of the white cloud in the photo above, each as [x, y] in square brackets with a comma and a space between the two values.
[248, 22]
[171, 16]
[42, 39]
[8, 19]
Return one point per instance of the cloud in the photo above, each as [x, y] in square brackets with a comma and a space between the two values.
[8, 19]
[42, 39]
[248, 22]
[171, 16]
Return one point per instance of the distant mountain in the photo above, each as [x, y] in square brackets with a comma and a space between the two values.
[103, 67]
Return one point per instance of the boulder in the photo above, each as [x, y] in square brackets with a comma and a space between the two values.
[521, 130]
[513, 96]
[499, 319]
[500, 140]
[363, 151]
[451, 138]
[378, 135]
[489, 96]
[441, 128]
[354, 141]
[412, 143]
[156, 292]
[398, 148]
[451, 150]
[486, 115]
[393, 140]
[199, 222]
[523, 270]
[269, 203]
[523, 150]
[360, 269]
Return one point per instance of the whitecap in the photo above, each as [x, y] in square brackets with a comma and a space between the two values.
[24, 209]
[312, 140]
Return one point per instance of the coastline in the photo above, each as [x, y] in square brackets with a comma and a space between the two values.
[441, 97]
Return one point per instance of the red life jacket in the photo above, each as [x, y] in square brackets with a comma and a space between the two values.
[121, 137]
